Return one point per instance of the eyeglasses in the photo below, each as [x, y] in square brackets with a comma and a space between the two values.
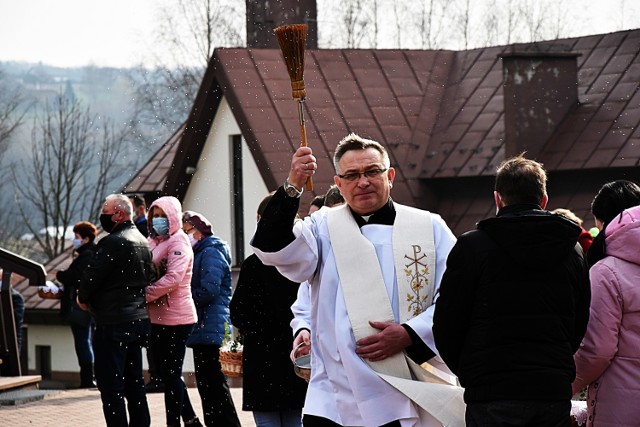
[370, 174]
[187, 230]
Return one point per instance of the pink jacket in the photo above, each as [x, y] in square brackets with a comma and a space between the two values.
[169, 298]
[608, 359]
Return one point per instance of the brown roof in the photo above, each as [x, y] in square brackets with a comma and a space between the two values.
[441, 113]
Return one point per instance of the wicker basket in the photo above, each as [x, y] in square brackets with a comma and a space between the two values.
[231, 363]
[45, 294]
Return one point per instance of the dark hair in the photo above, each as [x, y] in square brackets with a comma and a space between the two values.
[263, 204]
[520, 180]
[613, 198]
[333, 196]
[85, 229]
[138, 200]
[317, 201]
[355, 142]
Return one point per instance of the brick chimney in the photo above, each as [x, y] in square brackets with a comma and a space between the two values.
[264, 15]
[539, 90]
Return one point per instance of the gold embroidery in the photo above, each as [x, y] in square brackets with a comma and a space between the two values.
[418, 280]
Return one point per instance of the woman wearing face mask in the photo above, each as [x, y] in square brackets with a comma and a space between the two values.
[171, 309]
[607, 360]
[211, 289]
[80, 321]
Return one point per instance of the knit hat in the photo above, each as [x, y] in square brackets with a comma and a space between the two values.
[198, 221]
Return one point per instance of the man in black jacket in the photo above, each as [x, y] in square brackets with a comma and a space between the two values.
[514, 306]
[113, 289]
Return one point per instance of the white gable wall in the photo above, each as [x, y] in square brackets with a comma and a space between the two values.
[210, 189]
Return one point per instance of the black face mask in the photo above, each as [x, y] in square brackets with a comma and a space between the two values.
[106, 222]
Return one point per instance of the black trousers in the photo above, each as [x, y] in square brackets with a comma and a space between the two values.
[313, 421]
[215, 395]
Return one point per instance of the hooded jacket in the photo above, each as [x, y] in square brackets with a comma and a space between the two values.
[211, 290]
[608, 360]
[169, 298]
[513, 306]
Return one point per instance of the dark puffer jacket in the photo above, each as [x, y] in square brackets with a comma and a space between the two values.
[114, 282]
[71, 278]
[514, 306]
[211, 287]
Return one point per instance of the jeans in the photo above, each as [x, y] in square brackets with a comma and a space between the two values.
[169, 347]
[118, 368]
[217, 403]
[290, 418]
[516, 413]
[82, 342]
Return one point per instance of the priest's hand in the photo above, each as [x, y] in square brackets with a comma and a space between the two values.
[303, 165]
[391, 339]
[301, 344]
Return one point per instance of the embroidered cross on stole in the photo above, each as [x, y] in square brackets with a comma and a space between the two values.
[360, 274]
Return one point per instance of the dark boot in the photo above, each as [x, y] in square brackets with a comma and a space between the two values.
[86, 375]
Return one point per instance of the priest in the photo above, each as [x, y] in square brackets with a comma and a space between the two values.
[374, 267]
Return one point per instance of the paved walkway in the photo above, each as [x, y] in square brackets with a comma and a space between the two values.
[70, 408]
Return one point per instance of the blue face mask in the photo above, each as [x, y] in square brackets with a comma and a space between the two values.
[161, 226]
[76, 243]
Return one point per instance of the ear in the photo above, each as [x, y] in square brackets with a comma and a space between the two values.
[391, 173]
[498, 200]
[544, 201]
[336, 181]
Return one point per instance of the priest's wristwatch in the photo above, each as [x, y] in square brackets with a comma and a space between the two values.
[291, 190]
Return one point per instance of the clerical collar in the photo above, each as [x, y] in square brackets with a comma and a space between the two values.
[386, 215]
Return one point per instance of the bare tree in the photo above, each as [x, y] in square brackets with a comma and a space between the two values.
[375, 15]
[429, 22]
[464, 22]
[397, 23]
[12, 113]
[75, 157]
[187, 33]
[356, 22]
[11, 116]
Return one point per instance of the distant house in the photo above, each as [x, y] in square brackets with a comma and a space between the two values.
[448, 119]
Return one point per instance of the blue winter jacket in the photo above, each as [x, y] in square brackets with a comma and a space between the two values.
[211, 287]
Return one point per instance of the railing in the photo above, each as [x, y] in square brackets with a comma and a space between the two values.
[36, 274]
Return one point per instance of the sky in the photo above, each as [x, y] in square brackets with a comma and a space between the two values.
[73, 33]
[117, 33]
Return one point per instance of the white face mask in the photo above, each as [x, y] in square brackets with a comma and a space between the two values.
[192, 239]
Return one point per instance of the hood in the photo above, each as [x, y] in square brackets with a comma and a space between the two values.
[214, 242]
[172, 207]
[532, 236]
[622, 236]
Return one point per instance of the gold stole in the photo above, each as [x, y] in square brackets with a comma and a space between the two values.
[366, 299]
